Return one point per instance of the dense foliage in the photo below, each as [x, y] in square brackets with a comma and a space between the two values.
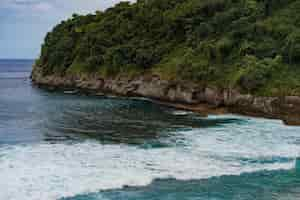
[250, 44]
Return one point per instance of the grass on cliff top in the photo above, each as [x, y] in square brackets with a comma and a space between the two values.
[79, 68]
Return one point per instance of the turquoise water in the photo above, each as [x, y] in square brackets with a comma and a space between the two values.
[60, 146]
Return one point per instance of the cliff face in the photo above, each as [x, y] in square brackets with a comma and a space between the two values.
[183, 95]
[249, 48]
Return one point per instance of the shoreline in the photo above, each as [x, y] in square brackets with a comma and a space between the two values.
[188, 96]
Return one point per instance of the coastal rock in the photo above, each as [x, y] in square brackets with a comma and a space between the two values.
[293, 100]
[214, 97]
[182, 94]
[263, 104]
[285, 108]
[156, 88]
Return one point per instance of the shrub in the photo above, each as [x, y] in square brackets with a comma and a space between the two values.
[211, 41]
[255, 73]
[292, 47]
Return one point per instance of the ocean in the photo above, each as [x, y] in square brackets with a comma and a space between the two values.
[58, 146]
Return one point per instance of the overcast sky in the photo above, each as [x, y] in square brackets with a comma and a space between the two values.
[24, 23]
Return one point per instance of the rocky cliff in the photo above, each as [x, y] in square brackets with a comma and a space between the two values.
[180, 94]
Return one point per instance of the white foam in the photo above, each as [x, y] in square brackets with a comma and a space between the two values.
[52, 171]
[48, 171]
[181, 112]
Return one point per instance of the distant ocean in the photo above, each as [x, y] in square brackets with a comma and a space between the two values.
[15, 68]
[59, 146]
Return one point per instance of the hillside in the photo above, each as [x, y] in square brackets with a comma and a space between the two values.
[252, 45]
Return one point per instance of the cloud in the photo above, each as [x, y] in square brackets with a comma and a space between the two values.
[56, 6]
[25, 8]
[42, 7]
[24, 23]
[48, 11]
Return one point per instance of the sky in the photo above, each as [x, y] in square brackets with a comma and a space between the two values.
[24, 23]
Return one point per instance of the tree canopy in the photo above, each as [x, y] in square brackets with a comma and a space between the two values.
[250, 44]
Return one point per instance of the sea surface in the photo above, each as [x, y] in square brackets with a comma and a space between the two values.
[54, 145]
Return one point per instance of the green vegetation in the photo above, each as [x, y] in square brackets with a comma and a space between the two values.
[253, 45]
